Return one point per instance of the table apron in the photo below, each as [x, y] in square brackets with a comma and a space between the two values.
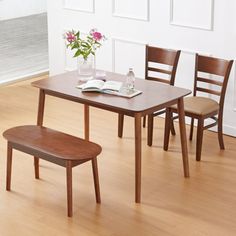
[110, 108]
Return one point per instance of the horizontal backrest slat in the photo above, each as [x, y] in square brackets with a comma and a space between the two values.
[208, 91]
[209, 81]
[159, 70]
[158, 80]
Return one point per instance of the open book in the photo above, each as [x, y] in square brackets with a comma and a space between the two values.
[100, 85]
[109, 87]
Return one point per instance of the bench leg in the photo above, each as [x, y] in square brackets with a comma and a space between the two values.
[96, 180]
[69, 187]
[36, 167]
[9, 167]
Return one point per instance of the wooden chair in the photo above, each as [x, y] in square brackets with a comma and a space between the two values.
[156, 58]
[56, 147]
[201, 108]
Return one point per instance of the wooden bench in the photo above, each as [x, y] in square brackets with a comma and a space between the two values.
[56, 147]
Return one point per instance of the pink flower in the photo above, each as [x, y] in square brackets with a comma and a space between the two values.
[83, 46]
[97, 36]
[70, 37]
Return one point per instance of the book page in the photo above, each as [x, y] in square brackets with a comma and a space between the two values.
[93, 84]
[112, 85]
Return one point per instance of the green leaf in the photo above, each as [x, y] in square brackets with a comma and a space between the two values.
[78, 53]
[77, 34]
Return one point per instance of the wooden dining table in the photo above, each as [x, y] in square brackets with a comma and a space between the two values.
[155, 96]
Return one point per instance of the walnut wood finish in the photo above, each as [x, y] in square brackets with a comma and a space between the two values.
[96, 179]
[162, 56]
[138, 151]
[56, 147]
[9, 167]
[183, 139]
[172, 205]
[159, 56]
[213, 66]
[86, 122]
[155, 96]
[69, 188]
[41, 105]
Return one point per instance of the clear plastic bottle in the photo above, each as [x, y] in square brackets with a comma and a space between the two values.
[130, 79]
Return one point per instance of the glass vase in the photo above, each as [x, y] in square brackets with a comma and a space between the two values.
[86, 67]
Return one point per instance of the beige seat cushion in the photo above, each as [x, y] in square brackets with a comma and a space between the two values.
[199, 105]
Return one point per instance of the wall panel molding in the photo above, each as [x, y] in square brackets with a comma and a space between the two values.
[80, 5]
[130, 9]
[138, 64]
[198, 14]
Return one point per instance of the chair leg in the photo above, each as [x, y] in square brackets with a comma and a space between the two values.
[96, 180]
[144, 121]
[220, 133]
[150, 130]
[191, 129]
[172, 127]
[167, 129]
[120, 125]
[199, 139]
[9, 166]
[36, 167]
[69, 187]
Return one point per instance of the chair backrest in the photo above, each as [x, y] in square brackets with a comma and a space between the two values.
[212, 66]
[158, 56]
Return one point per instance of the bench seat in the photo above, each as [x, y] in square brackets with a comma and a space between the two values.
[56, 147]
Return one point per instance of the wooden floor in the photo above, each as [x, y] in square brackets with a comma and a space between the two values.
[203, 205]
[23, 47]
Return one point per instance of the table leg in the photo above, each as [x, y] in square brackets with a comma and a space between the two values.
[39, 123]
[167, 129]
[86, 122]
[41, 107]
[120, 125]
[138, 151]
[182, 129]
[150, 130]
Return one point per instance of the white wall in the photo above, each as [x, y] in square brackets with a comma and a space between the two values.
[204, 26]
[17, 8]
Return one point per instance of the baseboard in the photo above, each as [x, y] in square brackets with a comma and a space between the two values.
[24, 77]
[229, 130]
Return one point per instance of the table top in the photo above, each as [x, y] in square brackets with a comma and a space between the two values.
[155, 95]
